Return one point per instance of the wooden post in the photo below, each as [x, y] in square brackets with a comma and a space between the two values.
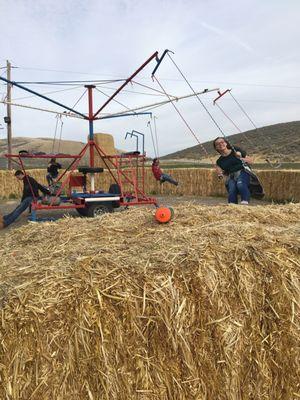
[9, 135]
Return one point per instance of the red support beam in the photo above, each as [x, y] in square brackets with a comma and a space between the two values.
[221, 94]
[126, 82]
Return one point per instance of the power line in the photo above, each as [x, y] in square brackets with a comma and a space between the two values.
[98, 81]
[44, 93]
[60, 71]
[171, 79]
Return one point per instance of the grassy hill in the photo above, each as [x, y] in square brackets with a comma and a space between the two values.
[276, 142]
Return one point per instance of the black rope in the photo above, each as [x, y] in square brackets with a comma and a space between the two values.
[233, 123]
[56, 125]
[244, 111]
[155, 132]
[192, 89]
[80, 98]
[116, 101]
[155, 152]
[45, 93]
[61, 128]
[98, 81]
[266, 139]
[183, 119]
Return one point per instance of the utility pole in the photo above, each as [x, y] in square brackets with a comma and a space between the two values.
[8, 117]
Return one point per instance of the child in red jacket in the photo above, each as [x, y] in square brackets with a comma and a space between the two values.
[159, 175]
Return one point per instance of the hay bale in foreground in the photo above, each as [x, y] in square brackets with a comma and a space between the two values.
[119, 307]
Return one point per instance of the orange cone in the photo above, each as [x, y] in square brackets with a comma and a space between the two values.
[163, 214]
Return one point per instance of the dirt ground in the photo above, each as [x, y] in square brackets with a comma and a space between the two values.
[7, 206]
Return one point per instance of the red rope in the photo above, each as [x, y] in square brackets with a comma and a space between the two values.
[185, 122]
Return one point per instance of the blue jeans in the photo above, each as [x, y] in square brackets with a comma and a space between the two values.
[50, 178]
[10, 218]
[168, 178]
[238, 185]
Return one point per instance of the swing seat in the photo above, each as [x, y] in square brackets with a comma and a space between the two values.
[255, 187]
[90, 170]
[24, 153]
[130, 153]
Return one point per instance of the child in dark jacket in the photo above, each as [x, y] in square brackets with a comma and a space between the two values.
[52, 170]
[31, 190]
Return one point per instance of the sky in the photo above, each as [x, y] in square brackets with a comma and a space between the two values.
[248, 46]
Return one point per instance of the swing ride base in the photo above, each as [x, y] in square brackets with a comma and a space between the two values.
[127, 171]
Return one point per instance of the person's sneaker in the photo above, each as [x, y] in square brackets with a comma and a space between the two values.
[244, 202]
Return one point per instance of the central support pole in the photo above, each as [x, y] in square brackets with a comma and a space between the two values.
[91, 134]
[9, 134]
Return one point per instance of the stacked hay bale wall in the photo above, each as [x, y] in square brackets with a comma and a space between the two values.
[283, 185]
[119, 308]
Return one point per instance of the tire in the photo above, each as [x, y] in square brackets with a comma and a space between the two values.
[115, 189]
[82, 211]
[94, 210]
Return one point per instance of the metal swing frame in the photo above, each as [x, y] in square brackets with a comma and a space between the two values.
[124, 168]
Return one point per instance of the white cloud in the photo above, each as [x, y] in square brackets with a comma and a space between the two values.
[227, 36]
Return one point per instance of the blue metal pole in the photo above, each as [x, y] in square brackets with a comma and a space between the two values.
[143, 138]
[160, 60]
[137, 141]
[42, 96]
[91, 130]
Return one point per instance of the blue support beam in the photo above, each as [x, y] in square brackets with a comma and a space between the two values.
[160, 60]
[143, 138]
[42, 96]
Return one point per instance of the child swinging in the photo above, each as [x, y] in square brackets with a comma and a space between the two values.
[159, 175]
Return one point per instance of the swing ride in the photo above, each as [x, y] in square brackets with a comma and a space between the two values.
[220, 95]
[126, 169]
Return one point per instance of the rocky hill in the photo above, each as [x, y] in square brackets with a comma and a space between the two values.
[276, 142]
[280, 141]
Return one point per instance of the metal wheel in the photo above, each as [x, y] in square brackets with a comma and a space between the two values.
[94, 210]
[82, 211]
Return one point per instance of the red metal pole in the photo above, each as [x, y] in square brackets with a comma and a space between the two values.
[126, 82]
[221, 94]
[91, 124]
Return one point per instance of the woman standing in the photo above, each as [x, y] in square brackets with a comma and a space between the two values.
[231, 164]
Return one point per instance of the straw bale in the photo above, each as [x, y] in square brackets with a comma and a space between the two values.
[279, 185]
[120, 307]
[106, 142]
